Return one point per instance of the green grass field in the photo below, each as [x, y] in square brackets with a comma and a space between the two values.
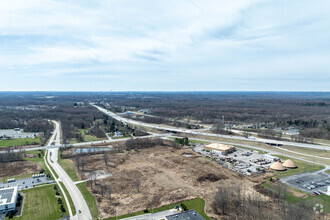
[302, 167]
[197, 141]
[248, 148]
[38, 159]
[87, 137]
[196, 204]
[73, 208]
[41, 203]
[309, 151]
[90, 199]
[20, 142]
[69, 167]
[328, 171]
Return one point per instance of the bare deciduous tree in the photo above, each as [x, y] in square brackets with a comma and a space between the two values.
[106, 158]
[137, 184]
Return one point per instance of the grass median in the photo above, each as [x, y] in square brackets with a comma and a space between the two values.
[55, 174]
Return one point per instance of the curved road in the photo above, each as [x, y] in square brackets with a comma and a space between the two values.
[77, 198]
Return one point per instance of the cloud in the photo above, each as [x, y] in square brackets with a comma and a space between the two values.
[161, 40]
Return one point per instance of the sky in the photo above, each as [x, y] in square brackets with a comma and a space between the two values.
[168, 45]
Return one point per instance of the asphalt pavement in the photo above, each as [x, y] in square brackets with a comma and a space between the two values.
[76, 196]
[187, 131]
[154, 216]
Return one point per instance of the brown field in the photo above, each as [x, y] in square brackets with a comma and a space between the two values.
[18, 168]
[166, 177]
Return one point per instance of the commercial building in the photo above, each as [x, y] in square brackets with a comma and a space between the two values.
[17, 133]
[270, 157]
[188, 215]
[8, 199]
[219, 148]
[328, 191]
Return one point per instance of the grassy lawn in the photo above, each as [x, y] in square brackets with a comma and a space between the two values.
[302, 167]
[90, 200]
[321, 199]
[73, 208]
[41, 203]
[196, 204]
[198, 142]
[327, 171]
[248, 148]
[87, 137]
[38, 159]
[309, 151]
[69, 167]
[20, 142]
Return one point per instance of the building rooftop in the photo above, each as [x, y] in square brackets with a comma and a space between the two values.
[277, 166]
[188, 215]
[8, 195]
[289, 164]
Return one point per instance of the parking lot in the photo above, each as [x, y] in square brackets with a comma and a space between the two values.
[26, 183]
[314, 183]
[246, 162]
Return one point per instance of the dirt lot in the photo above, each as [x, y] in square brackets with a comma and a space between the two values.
[18, 168]
[166, 176]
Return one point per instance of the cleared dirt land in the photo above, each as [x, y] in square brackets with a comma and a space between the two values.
[18, 168]
[166, 176]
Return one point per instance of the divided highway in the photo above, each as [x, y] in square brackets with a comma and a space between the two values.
[187, 131]
[77, 198]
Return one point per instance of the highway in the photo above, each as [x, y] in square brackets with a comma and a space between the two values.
[271, 152]
[187, 131]
[83, 143]
[76, 196]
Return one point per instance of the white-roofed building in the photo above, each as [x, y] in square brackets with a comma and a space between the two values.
[8, 199]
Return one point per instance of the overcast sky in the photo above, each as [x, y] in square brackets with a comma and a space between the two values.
[168, 45]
